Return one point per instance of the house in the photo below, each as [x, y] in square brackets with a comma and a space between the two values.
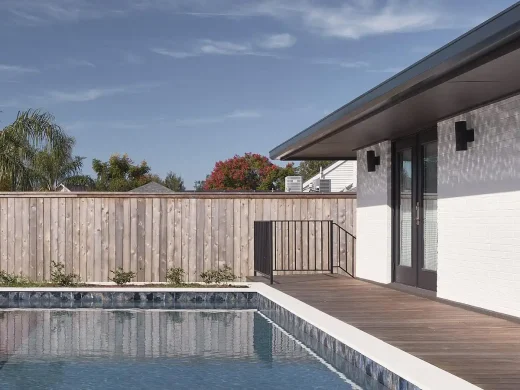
[342, 175]
[152, 188]
[438, 152]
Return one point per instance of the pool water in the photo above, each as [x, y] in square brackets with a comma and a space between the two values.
[155, 349]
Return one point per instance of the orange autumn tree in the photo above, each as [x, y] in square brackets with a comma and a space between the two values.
[250, 172]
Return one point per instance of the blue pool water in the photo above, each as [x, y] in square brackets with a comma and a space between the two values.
[155, 349]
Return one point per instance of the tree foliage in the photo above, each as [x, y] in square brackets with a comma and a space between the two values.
[120, 174]
[308, 169]
[35, 153]
[250, 172]
[174, 182]
[80, 181]
[54, 167]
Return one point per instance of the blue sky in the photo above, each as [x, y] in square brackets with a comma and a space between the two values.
[185, 83]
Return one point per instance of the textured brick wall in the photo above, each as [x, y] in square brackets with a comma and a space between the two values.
[479, 210]
[373, 255]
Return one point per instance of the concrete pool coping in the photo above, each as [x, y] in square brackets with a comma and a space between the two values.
[422, 374]
[412, 369]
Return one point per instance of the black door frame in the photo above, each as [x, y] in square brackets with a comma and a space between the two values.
[415, 275]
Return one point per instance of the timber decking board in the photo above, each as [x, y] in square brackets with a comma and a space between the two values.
[480, 348]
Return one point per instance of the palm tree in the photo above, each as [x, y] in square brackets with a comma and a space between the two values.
[53, 167]
[21, 145]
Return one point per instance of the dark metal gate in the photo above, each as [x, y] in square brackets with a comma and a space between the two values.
[297, 247]
[263, 237]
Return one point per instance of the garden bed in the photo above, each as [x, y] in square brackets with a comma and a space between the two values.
[218, 278]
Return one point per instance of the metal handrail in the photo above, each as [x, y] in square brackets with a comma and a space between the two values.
[347, 233]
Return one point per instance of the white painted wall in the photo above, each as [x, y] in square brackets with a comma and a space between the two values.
[479, 210]
[374, 216]
[341, 174]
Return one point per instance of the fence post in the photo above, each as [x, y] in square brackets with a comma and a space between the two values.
[331, 246]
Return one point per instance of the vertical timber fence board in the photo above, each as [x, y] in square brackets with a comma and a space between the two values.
[93, 233]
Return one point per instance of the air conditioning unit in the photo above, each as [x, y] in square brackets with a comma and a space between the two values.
[322, 185]
[293, 184]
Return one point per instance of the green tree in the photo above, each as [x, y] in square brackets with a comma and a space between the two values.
[21, 144]
[83, 181]
[174, 182]
[308, 169]
[120, 174]
[53, 167]
[199, 185]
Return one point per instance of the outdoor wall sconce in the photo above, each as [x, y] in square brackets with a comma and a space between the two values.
[372, 160]
[463, 135]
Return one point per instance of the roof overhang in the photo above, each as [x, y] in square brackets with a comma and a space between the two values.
[477, 68]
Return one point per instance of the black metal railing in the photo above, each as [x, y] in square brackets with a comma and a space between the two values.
[295, 247]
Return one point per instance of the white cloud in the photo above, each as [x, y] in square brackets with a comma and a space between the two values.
[80, 63]
[234, 115]
[36, 12]
[340, 63]
[121, 124]
[17, 69]
[244, 114]
[393, 70]
[173, 53]
[277, 41]
[209, 46]
[91, 94]
[85, 95]
[212, 47]
[343, 19]
[350, 21]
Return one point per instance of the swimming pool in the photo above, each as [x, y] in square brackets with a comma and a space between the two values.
[161, 348]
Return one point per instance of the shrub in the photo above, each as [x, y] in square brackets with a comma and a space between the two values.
[175, 276]
[60, 278]
[121, 277]
[7, 279]
[222, 275]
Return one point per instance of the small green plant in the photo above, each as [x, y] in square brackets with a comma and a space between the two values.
[175, 276]
[13, 280]
[60, 278]
[218, 276]
[121, 277]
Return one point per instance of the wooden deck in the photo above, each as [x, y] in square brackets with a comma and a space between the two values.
[482, 349]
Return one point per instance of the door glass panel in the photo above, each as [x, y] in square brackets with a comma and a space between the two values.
[430, 205]
[405, 198]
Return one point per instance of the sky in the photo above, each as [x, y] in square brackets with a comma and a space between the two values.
[185, 83]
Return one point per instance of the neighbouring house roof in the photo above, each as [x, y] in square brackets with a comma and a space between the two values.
[475, 69]
[152, 188]
[347, 178]
[71, 188]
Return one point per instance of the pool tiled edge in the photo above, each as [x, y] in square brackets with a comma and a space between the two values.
[332, 338]
[146, 298]
[328, 345]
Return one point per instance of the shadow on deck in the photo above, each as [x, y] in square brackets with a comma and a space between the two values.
[480, 348]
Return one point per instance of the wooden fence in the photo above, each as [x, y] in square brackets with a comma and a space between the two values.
[93, 233]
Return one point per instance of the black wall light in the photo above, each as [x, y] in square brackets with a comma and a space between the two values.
[372, 160]
[463, 135]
